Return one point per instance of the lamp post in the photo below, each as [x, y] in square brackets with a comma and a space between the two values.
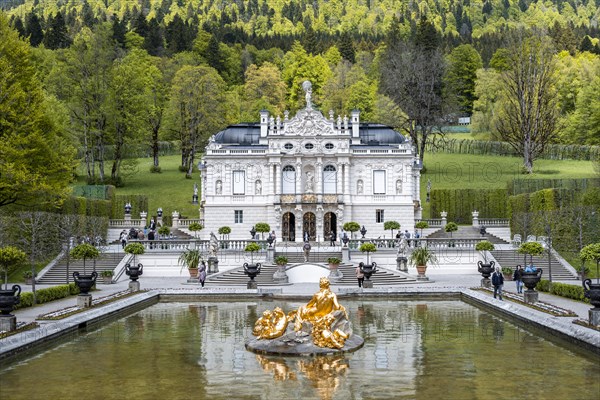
[363, 231]
[253, 232]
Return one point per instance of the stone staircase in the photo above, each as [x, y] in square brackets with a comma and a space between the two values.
[510, 258]
[467, 232]
[236, 277]
[58, 274]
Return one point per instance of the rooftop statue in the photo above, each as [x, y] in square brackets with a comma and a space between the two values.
[307, 87]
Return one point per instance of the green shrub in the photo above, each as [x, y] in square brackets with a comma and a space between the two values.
[48, 294]
[566, 290]
[281, 260]
[460, 203]
[224, 230]
[155, 169]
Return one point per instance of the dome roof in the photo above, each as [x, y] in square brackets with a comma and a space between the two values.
[249, 133]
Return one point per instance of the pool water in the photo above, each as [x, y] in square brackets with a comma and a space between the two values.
[413, 350]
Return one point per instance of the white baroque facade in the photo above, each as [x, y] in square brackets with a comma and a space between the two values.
[309, 175]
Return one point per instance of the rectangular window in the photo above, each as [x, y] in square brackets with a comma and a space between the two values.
[239, 216]
[238, 182]
[379, 216]
[379, 182]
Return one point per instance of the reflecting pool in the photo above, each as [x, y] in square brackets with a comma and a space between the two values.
[423, 350]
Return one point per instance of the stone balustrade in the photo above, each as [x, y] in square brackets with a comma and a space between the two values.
[494, 222]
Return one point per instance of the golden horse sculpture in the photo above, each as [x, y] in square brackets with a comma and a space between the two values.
[322, 317]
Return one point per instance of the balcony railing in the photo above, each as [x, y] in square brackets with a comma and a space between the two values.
[494, 222]
[435, 244]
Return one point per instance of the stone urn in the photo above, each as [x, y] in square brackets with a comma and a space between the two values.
[592, 292]
[85, 282]
[486, 270]
[134, 272]
[368, 270]
[252, 270]
[531, 279]
[9, 298]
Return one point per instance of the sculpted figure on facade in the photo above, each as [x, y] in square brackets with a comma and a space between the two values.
[359, 187]
[310, 182]
[219, 187]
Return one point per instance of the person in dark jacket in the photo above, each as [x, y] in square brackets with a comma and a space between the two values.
[518, 278]
[497, 282]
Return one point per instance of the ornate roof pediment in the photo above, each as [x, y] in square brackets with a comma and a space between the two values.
[309, 122]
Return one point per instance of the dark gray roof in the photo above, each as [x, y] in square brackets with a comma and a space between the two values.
[248, 134]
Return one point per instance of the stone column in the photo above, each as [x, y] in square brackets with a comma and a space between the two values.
[444, 215]
[277, 182]
[475, 215]
[175, 216]
[143, 216]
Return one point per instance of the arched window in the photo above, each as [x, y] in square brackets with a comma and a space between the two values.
[288, 180]
[329, 179]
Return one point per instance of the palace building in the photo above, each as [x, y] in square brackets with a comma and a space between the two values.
[308, 175]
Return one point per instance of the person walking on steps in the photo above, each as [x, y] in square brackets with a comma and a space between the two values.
[518, 278]
[306, 249]
[497, 282]
[360, 276]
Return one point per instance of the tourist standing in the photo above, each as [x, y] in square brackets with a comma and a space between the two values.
[497, 282]
[407, 236]
[518, 278]
[202, 273]
[360, 276]
[332, 238]
[274, 237]
[123, 238]
[306, 249]
[151, 237]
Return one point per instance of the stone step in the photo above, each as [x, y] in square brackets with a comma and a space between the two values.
[510, 258]
[467, 232]
[57, 275]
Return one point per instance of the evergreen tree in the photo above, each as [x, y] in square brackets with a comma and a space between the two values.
[154, 41]
[461, 74]
[17, 24]
[34, 30]
[56, 35]
[213, 55]
[346, 47]
[87, 15]
[176, 36]
[586, 44]
[426, 37]
[118, 31]
[309, 41]
[140, 25]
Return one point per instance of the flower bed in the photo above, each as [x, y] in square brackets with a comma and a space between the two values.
[101, 301]
[540, 305]
[21, 327]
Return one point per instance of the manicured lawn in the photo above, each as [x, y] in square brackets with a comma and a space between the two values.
[472, 171]
[169, 190]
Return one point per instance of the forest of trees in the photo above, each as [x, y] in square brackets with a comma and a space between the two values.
[119, 76]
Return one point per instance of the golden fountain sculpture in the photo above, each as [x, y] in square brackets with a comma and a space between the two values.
[322, 318]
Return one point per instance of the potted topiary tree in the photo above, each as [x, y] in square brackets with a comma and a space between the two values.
[531, 275]
[191, 258]
[224, 231]
[136, 270]
[484, 268]
[262, 228]
[420, 257]
[252, 269]
[449, 228]
[10, 257]
[334, 272]
[390, 226]
[591, 252]
[368, 248]
[83, 252]
[351, 227]
[164, 231]
[421, 225]
[195, 227]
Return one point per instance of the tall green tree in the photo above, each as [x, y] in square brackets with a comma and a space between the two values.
[264, 88]
[131, 101]
[412, 75]
[196, 109]
[528, 118]
[57, 36]
[36, 163]
[461, 74]
[34, 29]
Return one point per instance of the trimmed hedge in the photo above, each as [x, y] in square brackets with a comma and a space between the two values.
[86, 206]
[460, 203]
[574, 292]
[100, 192]
[551, 151]
[518, 186]
[48, 294]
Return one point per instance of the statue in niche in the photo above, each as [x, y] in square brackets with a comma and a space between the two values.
[258, 187]
[359, 187]
[310, 182]
[399, 186]
[219, 187]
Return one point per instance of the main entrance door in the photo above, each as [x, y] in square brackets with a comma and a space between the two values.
[289, 227]
[309, 226]
[329, 225]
